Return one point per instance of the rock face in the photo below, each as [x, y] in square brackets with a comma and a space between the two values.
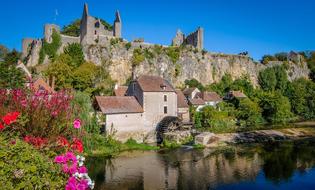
[206, 67]
[177, 136]
[205, 138]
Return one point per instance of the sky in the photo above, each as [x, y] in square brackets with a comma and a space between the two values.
[230, 26]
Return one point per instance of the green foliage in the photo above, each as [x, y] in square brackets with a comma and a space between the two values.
[50, 49]
[84, 76]
[249, 112]
[128, 46]
[169, 144]
[10, 76]
[273, 78]
[107, 26]
[74, 50]
[301, 93]
[23, 167]
[194, 83]
[158, 49]
[137, 57]
[85, 112]
[243, 84]
[99, 145]
[148, 54]
[173, 53]
[267, 79]
[73, 29]
[266, 58]
[276, 107]
[61, 70]
[311, 65]
[282, 56]
[114, 41]
[223, 86]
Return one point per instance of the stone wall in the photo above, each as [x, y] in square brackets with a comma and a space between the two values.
[195, 39]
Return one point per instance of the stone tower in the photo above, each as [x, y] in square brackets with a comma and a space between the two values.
[48, 31]
[117, 25]
[178, 39]
[85, 34]
[194, 39]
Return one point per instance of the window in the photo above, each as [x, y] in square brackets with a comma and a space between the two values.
[95, 32]
[165, 98]
[165, 109]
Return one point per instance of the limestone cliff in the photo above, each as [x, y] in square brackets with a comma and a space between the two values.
[204, 66]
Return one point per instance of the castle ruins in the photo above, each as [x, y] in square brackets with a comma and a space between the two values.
[94, 31]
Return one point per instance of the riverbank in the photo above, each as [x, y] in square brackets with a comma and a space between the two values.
[257, 136]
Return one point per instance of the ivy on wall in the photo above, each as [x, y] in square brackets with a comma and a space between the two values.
[50, 49]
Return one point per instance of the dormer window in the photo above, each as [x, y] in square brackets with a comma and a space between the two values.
[163, 86]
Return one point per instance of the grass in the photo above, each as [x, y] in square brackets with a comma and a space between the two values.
[99, 145]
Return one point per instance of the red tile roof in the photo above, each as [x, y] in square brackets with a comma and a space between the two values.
[118, 104]
[121, 90]
[181, 100]
[197, 101]
[210, 96]
[154, 84]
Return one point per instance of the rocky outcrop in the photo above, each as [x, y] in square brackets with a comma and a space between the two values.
[206, 67]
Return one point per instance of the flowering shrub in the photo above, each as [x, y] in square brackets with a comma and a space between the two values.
[42, 114]
[44, 121]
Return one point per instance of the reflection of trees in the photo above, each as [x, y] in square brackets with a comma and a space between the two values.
[282, 160]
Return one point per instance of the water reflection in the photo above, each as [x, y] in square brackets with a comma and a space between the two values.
[204, 169]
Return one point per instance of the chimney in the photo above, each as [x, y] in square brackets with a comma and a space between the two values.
[116, 86]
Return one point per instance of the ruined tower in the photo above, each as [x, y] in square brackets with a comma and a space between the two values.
[117, 25]
[84, 29]
[194, 39]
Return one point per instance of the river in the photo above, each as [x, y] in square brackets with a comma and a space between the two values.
[286, 165]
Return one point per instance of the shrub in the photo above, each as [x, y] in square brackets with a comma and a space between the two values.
[42, 115]
[73, 29]
[75, 52]
[23, 167]
[128, 46]
[137, 57]
[173, 53]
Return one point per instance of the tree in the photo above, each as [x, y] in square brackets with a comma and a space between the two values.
[250, 112]
[194, 83]
[311, 65]
[10, 76]
[276, 107]
[61, 70]
[267, 79]
[266, 58]
[74, 50]
[282, 56]
[73, 29]
[84, 76]
[301, 93]
[244, 84]
[281, 78]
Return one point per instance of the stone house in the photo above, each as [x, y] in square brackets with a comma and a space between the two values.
[148, 100]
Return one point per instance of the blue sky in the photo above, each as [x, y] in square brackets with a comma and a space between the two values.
[231, 26]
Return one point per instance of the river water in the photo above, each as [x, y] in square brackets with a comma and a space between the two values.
[289, 165]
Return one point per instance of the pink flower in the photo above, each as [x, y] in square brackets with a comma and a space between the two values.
[60, 159]
[82, 170]
[71, 184]
[77, 123]
[83, 185]
[69, 168]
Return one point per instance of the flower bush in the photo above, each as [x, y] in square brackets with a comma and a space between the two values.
[44, 121]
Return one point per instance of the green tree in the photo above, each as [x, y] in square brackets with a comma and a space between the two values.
[61, 70]
[281, 77]
[3, 52]
[311, 65]
[244, 84]
[267, 79]
[249, 112]
[50, 49]
[84, 77]
[73, 29]
[74, 50]
[282, 56]
[266, 58]
[276, 107]
[10, 76]
[194, 83]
